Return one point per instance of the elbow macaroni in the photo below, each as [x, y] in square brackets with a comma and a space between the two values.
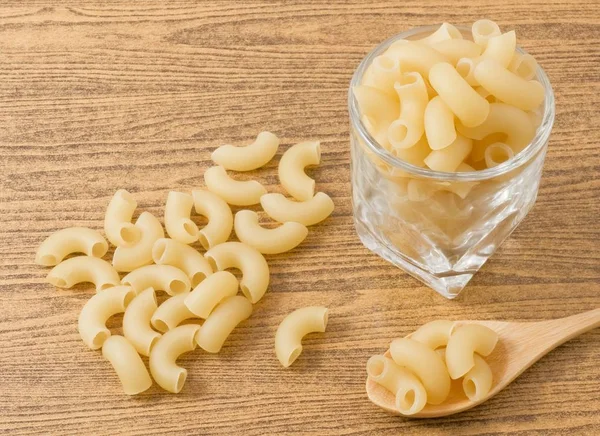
[171, 313]
[64, 242]
[84, 269]
[233, 191]
[221, 322]
[178, 224]
[117, 220]
[296, 325]
[308, 212]
[291, 169]
[219, 216]
[127, 364]
[434, 334]
[408, 129]
[136, 322]
[439, 124]
[208, 294]
[464, 342]
[128, 258]
[247, 158]
[268, 241]
[160, 277]
[182, 256]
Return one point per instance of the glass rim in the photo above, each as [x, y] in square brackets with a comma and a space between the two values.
[540, 139]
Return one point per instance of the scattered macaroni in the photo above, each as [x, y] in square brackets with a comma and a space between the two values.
[171, 313]
[464, 342]
[177, 218]
[291, 169]
[252, 264]
[296, 325]
[136, 322]
[250, 157]
[268, 241]
[165, 352]
[160, 277]
[233, 191]
[308, 212]
[64, 242]
[83, 269]
[127, 364]
[221, 322]
[117, 220]
[182, 256]
[205, 297]
[103, 305]
[218, 213]
[128, 258]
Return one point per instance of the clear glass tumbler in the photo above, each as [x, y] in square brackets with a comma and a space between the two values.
[439, 227]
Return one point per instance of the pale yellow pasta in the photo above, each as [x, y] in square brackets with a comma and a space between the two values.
[252, 264]
[483, 30]
[523, 65]
[178, 224]
[160, 277]
[233, 191]
[219, 216]
[249, 157]
[221, 322]
[296, 325]
[128, 365]
[163, 367]
[506, 86]
[205, 297]
[103, 305]
[434, 334]
[479, 146]
[506, 119]
[410, 394]
[268, 241]
[136, 322]
[469, 107]
[455, 49]
[171, 313]
[117, 220]
[182, 256]
[445, 32]
[501, 48]
[426, 364]
[415, 56]
[497, 153]
[380, 108]
[478, 381]
[291, 169]
[465, 67]
[83, 269]
[383, 73]
[462, 189]
[464, 342]
[448, 159]
[64, 242]
[308, 212]
[420, 190]
[414, 155]
[439, 124]
[408, 129]
[140, 254]
[485, 94]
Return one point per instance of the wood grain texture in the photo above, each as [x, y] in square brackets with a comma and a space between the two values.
[96, 96]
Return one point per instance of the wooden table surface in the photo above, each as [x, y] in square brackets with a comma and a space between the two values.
[97, 97]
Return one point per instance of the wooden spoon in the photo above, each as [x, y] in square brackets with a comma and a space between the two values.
[520, 345]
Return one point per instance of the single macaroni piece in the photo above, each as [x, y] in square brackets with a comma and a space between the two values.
[485, 94]
[483, 30]
[205, 297]
[136, 322]
[501, 48]
[523, 65]
[60, 244]
[445, 32]
[308, 212]
[127, 364]
[448, 159]
[140, 254]
[164, 354]
[233, 191]
[464, 342]
[296, 325]
[249, 157]
[383, 73]
[291, 169]
[410, 394]
[439, 124]
[426, 364]
[465, 67]
[434, 334]
[455, 49]
[505, 119]
[470, 108]
[182, 256]
[221, 322]
[252, 264]
[268, 241]
[409, 128]
[160, 277]
[171, 313]
[103, 305]
[478, 381]
[508, 87]
[415, 56]
[219, 216]
[83, 269]
[177, 218]
[117, 221]
[497, 153]
[380, 108]
[480, 145]
[414, 155]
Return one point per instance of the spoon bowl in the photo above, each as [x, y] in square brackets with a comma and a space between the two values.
[520, 345]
